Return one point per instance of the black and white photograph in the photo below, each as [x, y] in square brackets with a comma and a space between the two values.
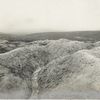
[50, 49]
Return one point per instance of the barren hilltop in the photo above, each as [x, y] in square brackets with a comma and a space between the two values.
[50, 69]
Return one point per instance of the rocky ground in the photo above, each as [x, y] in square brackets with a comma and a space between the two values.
[50, 69]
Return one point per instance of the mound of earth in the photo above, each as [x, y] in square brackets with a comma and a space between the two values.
[41, 69]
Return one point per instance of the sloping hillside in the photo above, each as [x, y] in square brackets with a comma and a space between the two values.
[41, 69]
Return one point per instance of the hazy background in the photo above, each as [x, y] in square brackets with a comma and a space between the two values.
[25, 16]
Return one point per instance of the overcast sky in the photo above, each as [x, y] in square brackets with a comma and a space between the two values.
[49, 15]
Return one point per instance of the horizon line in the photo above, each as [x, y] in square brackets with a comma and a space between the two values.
[49, 32]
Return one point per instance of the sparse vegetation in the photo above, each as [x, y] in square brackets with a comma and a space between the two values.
[40, 66]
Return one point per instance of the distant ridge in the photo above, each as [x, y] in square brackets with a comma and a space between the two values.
[77, 35]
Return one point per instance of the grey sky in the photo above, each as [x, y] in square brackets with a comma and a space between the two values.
[49, 15]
